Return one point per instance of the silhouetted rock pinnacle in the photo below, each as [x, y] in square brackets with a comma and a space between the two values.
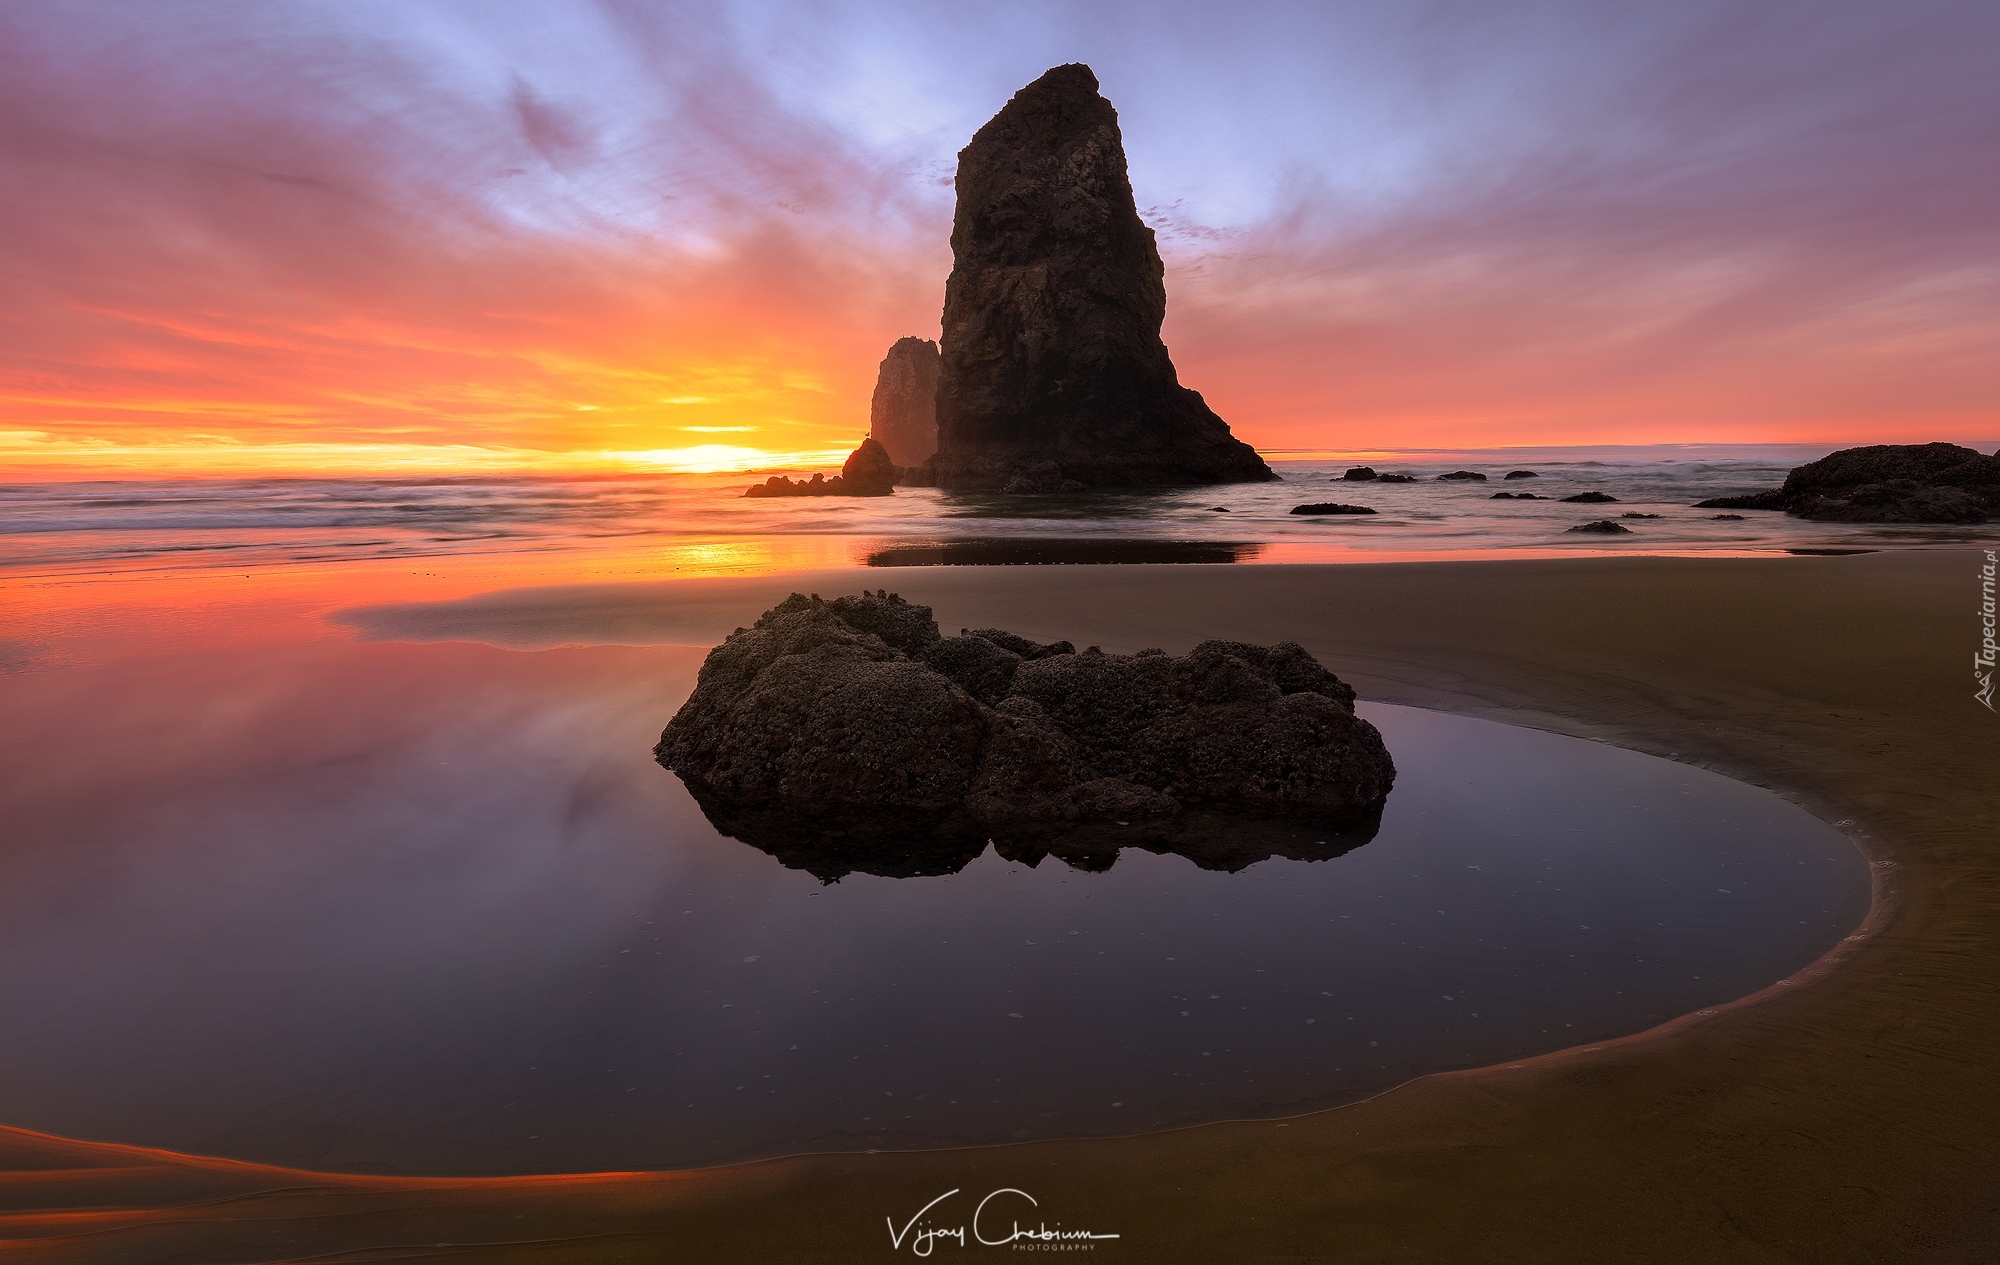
[903, 412]
[1053, 372]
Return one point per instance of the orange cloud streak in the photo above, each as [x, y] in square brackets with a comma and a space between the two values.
[287, 252]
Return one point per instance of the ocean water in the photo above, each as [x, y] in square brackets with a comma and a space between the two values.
[703, 523]
[275, 891]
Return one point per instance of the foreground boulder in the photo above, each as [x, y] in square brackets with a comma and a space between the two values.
[1052, 370]
[854, 720]
[1885, 483]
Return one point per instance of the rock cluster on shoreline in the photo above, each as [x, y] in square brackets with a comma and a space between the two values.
[1885, 483]
[868, 472]
[854, 719]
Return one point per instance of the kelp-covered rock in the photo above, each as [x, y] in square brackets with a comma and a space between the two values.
[855, 719]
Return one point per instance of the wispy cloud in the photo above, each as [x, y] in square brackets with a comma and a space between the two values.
[557, 228]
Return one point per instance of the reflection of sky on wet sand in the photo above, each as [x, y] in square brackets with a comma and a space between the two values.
[347, 904]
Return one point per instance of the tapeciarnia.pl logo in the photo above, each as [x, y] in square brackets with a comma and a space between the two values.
[1982, 659]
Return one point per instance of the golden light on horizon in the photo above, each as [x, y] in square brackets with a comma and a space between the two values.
[724, 458]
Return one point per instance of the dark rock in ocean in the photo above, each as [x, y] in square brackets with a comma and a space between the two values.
[1604, 527]
[868, 472]
[1218, 509]
[818, 485]
[1462, 476]
[1885, 483]
[848, 734]
[902, 414]
[1396, 478]
[1516, 496]
[1590, 498]
[1728, 518]
[1522, 474]
[1052, 369]
[1331, 507]
[1359, 474]
[1771, 500]
[1636, 514]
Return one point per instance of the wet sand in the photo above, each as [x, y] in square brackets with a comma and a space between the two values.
[1847, 1114]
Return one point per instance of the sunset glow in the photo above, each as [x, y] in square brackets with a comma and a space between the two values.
[241, 239]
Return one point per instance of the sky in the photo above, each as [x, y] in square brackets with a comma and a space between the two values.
[420, 235]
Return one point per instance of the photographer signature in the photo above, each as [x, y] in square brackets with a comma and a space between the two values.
[924, 1237]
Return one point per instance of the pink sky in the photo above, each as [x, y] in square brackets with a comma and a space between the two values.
[377, 235]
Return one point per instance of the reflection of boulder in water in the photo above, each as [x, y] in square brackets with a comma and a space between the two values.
[831, 842]
[1213, 841]
[848, 735]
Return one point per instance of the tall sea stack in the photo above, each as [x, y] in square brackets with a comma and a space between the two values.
[1053, 374]
[903, 412]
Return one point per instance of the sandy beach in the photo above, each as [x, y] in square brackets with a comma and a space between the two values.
[1844, 1114]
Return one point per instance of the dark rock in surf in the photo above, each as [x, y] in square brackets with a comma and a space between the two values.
[1885, 483]
[1359, 474]
[1604, 527]
[1522, 474]
[868, 472]
[1396, 478]
[1590, 498]
[1462, 476]
[1331, 507]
